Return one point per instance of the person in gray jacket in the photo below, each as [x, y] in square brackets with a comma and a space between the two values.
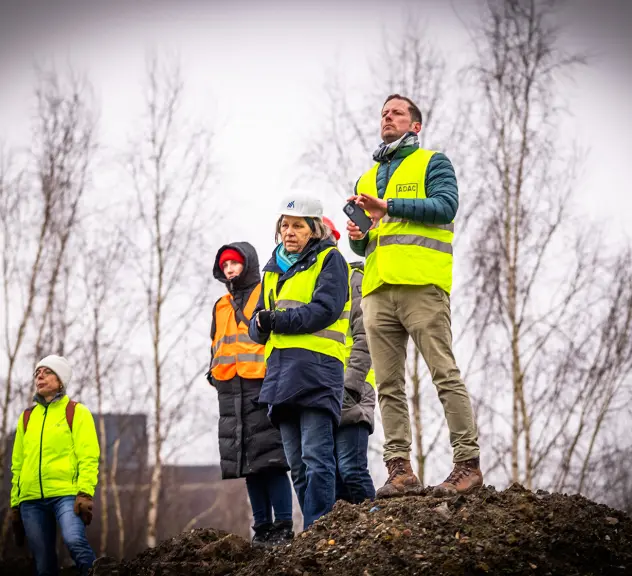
[353, 480]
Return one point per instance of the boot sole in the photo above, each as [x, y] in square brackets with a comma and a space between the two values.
[409, 491]
[446, 494]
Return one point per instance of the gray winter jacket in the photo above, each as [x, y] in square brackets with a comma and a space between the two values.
[358, 405]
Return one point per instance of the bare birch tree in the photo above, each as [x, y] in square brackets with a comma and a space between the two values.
[109, 321]
[550, 303]
[170, 169]
[39, 208]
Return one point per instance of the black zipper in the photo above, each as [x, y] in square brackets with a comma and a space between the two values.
[388, 175]
[40, 460]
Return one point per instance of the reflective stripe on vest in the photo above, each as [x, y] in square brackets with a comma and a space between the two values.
[370, 377]
[234, 353]
[400, 251]
[391, 220]
[297, 291]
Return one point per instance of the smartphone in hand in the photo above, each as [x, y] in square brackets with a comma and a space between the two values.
[358, 216]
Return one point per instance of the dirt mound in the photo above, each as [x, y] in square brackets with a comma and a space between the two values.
[511, 532]
[23, 566]
[514, 532]
[199, 552]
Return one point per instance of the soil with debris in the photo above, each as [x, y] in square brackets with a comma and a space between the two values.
[513, 532]
[24, 566]
[200, 553]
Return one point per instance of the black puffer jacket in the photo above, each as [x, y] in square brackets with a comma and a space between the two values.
[248, 443]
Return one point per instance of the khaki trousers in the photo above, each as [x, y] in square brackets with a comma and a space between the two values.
[391, 314]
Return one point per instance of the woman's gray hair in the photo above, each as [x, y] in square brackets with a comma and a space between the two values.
[321, 231]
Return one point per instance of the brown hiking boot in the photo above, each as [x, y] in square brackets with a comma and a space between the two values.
[401, 480]
[464, 478]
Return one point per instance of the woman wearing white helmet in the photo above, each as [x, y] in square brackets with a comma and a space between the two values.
[302, 317]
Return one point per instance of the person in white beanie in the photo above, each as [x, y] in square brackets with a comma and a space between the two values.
[55, 467]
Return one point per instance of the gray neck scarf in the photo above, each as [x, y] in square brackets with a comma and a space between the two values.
[385, 150]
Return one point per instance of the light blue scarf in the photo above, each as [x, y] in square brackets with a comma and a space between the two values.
[284, 259]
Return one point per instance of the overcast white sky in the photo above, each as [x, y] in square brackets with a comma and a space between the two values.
[255, 71]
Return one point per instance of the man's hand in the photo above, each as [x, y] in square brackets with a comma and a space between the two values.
[83, 507]
[18, 527]
[376, 208]
[354, 231]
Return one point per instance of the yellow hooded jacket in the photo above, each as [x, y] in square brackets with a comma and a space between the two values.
[49, 460]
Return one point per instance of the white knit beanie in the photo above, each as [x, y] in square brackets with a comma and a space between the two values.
[59, 365]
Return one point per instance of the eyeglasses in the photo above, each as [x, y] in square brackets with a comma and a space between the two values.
[44, 371]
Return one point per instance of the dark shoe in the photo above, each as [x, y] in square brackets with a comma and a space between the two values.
[464, 478]
[263, 532]
[281, 533]
[401, 480]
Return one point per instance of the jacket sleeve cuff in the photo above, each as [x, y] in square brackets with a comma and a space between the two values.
[359, 246]
[400, 207]
[83, 489]
[354, 381]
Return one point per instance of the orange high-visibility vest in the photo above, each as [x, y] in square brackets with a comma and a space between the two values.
[234, 353]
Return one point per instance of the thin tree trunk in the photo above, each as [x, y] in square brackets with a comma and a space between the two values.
[116, 497]
[417, 420]
[156, 476]
[103, 488]
[512, 309]
[154, 497]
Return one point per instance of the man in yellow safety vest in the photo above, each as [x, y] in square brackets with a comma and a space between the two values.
[411, 194]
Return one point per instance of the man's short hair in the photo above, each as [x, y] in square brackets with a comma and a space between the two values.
[415, 112]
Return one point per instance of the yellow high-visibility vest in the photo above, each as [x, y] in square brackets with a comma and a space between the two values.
[400, 251]
[298, 291]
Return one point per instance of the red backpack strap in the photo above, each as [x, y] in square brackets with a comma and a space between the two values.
[70, 412]
[25, 417]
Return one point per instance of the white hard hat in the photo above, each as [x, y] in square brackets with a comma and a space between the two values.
[301, 204]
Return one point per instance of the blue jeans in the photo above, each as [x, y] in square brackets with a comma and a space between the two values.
[267, 491]
[353, 480]
[308, 441]
[40, 519]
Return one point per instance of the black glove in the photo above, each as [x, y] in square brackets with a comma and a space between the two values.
[209, 377]
[266, 320]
